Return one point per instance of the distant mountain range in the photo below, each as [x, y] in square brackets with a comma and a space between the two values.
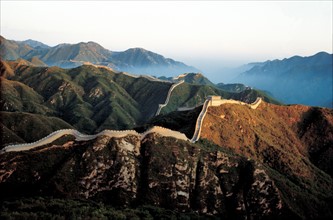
[134, 60]
[296, 80]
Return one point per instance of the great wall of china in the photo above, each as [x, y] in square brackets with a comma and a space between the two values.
[160, 106]
[211, 101]
[217, 101]
[199, 121]
[84, 137]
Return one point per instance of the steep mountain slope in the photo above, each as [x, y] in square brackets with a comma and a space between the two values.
[294, 141]
[199, 79]
[134, 60]
[233, 87]
[16, 96]
[12, 50]
[274, 135]
[87, 97]
[191, 95]
[92, 98]
[35, 44]
[193, 78]
[301, 80]
[22, 127]
[36, 61]
[90, 51]
[268, 181]
[141, 61]
[156, 170]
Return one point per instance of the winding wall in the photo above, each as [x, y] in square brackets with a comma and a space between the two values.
[165, 132]
[160, 106]
[84, 137]
[253, 105]
[199, 121]
[208, 103]
[114, 133]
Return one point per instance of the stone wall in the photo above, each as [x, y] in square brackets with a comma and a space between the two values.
[168, 97]
[114, 133]
[84, 137]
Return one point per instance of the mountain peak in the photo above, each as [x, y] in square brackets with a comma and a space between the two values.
[35, 44]
[137, 49]
[134, 60]
[90, 43]
[287, 78]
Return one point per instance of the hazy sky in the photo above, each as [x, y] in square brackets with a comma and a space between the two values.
[189, 31]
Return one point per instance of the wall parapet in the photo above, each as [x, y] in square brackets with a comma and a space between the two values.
[198, 124]
[219, 101]
[85, 137]
[165, 132]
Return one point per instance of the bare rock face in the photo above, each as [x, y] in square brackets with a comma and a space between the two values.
[159, 171]
[111, 165]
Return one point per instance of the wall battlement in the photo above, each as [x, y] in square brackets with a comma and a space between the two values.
[84, 137]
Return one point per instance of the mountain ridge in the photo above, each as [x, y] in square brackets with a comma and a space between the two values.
[93, 98]
[134, 60]
[301, 80]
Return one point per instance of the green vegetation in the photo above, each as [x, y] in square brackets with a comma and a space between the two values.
[189, 95]
[235, 87]
[56, 208]
[92, 99]
[183, 121]
[196, 79]
[26, 127]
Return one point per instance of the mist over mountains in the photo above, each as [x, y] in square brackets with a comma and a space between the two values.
[134, 60]
[301, 80]
[295, 80]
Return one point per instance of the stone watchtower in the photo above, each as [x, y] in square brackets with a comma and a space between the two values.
[214, 100]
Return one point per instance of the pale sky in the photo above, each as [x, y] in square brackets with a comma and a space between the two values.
[188, 31]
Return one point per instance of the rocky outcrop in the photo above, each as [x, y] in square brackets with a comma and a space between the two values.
[155, 170]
